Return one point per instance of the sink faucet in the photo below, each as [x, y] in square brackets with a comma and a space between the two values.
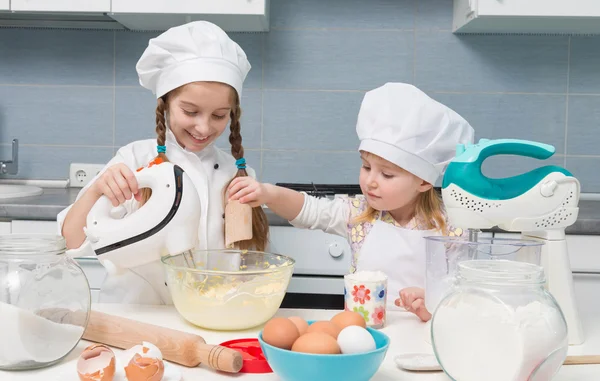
[11, 167]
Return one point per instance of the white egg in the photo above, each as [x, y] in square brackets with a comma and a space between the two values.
[355, 339]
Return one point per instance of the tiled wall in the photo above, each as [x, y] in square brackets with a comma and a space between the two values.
[73, 96]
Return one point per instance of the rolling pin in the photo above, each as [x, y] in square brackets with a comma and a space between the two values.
[582, 360]
[176, 346]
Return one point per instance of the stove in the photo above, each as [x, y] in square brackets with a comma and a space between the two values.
[322, 259]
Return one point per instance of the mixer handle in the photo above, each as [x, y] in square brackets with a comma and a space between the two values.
[486, 148]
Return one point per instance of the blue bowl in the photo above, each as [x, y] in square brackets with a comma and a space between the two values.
[295, 366]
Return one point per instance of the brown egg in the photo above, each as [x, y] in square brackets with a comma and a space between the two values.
[348, 318]
[280, 332]
[96, 363]
[326, 327]
[300, 323]
[318, 343]
[144, 369]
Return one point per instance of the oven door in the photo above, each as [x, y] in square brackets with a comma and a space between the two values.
[322, 260]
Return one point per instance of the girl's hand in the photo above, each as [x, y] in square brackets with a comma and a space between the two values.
[118, 183]
[249, 191]
[413, 300]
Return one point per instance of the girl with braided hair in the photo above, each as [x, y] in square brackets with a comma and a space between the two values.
[196, 72]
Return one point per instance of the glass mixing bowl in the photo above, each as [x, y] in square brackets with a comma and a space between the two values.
[227, 289]
[39, 285]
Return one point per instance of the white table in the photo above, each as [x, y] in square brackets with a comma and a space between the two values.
[405, 331]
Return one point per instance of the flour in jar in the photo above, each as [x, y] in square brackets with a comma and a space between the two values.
[477, 338]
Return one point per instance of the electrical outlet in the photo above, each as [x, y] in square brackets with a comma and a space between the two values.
[81, 174]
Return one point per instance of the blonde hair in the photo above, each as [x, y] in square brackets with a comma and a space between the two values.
[429, 208]
[260, 223]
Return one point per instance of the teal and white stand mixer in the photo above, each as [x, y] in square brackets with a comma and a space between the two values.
[540, 204]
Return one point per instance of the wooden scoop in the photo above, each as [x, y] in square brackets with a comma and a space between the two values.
[176, 346]
[238, 223]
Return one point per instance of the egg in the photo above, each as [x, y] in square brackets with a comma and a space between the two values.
[325, 327]
[280, 332]
[145, 350]
[355, 339]
[316, 343]
[144, 369]
[300, 323]
[347, 318]
[96, 363]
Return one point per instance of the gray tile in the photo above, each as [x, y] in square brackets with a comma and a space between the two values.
[135, 120]
[253, 160]
[584, 125]
[503, 116]
[311, 120]
[434, 14]
[134, 115]
[447, 62]
[131, 45]
[56, 115]
[52, 163]
[585, 61]
[586, 171]
[250, 123]
[307, 166]
[252, 43]
[56, 57]
[374, 14]
[506, 166]
[340, 60]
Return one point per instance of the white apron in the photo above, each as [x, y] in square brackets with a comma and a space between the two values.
[399, 253]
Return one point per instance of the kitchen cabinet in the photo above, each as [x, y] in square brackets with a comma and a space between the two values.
[531, 16]
[4, 5]
[5, 227]
[60, 5]
[231, 15]
[33, 227]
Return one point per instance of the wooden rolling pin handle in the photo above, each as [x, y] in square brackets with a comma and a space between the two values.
[582, 360]
[179, 347]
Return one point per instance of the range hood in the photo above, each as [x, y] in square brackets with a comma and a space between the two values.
[527, 16]
[137, 15]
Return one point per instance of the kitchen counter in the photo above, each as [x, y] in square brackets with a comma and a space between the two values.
[405, 331]
[46, 206]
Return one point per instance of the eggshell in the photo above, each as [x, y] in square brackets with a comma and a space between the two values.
[96, 363]
[280, 332]
[355, 339]
[348, 318]
[300, 323]
[146, 349]
[325, 327]
[144, 369]
[317, 343]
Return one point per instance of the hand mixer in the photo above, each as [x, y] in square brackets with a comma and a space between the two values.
[166, 224]
[540, 204]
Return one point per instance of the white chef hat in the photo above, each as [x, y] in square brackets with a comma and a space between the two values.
[197, 51]
[403, 125]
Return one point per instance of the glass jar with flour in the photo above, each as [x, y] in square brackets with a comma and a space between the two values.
[39, 284]
[499, 324]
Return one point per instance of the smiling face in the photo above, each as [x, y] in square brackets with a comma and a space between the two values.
[389, 187]
[199, 112]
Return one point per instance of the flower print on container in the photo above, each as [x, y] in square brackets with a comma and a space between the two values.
[378, 316]
[380, 292]
[361, 310]
[361, 294]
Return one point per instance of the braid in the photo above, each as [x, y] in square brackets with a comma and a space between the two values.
[161, 138]
[235, 138]
[260, 223]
